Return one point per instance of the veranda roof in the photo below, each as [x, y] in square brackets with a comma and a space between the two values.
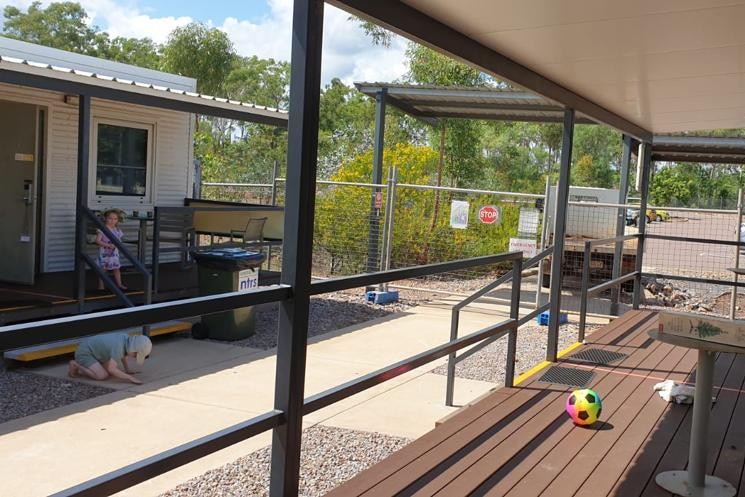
[72, 81]
[642, 67]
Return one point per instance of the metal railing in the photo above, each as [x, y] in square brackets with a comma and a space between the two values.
[613, 283]
[76, 326]
[515, 276]
[637, 275]
[90, 216]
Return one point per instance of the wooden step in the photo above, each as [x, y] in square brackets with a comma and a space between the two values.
[63, 347]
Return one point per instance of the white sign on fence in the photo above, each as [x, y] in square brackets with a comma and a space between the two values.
[459, 214]
[248, 279]
[527, 246]
[528, 223]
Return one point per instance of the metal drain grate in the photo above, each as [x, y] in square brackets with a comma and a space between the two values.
[597, 356]
[567, 376]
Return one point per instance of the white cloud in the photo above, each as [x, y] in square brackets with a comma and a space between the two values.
[347, 53]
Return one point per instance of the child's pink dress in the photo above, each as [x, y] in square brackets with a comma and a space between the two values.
[108, 258]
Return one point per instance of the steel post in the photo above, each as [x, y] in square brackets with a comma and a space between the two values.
[509, 373]
[372, 245]
[450, 383]
[642, 223]
[544, 229]
[81, 201]
[305, 83]
[738, 235]
[623, 189]
[583, 294]
[562, 197]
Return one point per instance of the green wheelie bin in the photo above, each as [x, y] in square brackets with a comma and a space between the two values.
[224, 270]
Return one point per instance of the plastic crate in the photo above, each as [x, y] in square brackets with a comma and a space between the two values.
[543, 318]
[375, 297]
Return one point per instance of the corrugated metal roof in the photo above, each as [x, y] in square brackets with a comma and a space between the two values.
[30, 73]
[430, 102]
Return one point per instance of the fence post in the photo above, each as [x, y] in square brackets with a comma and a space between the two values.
[583, 294]
[646, 155]
[620, 222]
[733, 297]
[544, 228]
[377, 178]
[509, 374]
[390, 208]
[275, 173]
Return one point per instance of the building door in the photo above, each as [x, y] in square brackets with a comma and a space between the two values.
[18, 198]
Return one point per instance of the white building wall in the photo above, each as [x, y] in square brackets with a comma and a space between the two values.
[172, 165]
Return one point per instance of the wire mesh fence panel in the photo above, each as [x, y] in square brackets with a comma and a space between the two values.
[348, 230]
[437, 226]
[247, 194]
[691, 259]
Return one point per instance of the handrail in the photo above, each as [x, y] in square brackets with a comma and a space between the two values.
[515, 275]
[341, 392]
[73, 326]
[128, 476]
[139, 265]
[692, 240]
[370, 279]
[615, 239]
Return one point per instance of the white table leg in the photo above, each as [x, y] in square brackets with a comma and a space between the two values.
[695, 482]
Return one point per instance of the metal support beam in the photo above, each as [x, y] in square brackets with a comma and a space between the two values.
[415, 25]
[623, 189]
[373, 259]
[560, 221]
[642, 223]
[81, 199]
[305, 84]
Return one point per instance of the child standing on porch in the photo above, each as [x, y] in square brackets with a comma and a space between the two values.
[108, 254]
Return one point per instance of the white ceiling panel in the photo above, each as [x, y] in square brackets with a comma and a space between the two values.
[664, 65]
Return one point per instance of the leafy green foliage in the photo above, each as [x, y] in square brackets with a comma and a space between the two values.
[200, 52]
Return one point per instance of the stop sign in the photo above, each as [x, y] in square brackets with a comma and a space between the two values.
[489, 214]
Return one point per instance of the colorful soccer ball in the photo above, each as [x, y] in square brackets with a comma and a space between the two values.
[584, 406]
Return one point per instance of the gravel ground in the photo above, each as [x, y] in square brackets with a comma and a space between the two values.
[331, 312]
[488, 364]
[329, 457]
[24, 394]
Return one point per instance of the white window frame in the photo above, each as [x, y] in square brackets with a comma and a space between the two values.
[99, 200]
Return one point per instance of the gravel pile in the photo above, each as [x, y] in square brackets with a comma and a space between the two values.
[331, 312]
[329, 457]
[488, 364]
[24, 394]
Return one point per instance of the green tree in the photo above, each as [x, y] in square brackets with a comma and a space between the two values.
[61, 25]
[142, 52]
[200, 52]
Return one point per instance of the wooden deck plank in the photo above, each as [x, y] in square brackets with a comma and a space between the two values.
[731, 460]
[557, 423]
[610, 469]
[621, 417]
[519, 442]
[558, 458]
[675, 455]
[477, 468]
[421, 448]
[379, 472]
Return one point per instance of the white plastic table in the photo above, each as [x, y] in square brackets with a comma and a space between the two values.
[695, 482]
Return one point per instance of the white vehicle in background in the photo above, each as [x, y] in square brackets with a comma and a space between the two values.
[586, 222]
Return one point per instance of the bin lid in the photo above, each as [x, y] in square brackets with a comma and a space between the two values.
[232, 256]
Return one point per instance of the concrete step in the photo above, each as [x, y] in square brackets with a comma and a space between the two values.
[63, 347]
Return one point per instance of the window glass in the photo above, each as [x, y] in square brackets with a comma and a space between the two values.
[121, 161]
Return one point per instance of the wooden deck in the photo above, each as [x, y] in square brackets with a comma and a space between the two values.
[519, 442]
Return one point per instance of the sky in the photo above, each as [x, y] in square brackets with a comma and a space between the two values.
[256, 27]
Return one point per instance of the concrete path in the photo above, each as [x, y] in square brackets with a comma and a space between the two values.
[196, 388]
